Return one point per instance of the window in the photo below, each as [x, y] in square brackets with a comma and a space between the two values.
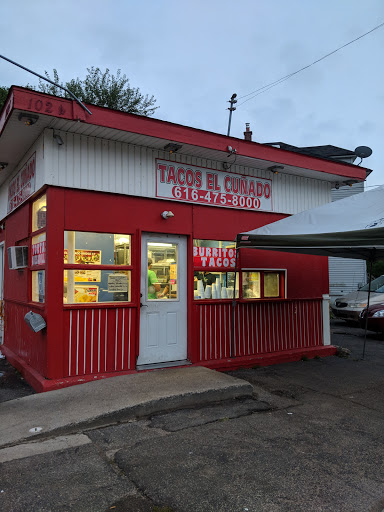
[162, 270]
[214, 274]
[263, 284]
[214, 263]
[214, 285]
[38, 248]
[39, 213]
[97, 267]
[38, 286]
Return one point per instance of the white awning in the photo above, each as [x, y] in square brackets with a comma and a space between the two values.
[349, 228]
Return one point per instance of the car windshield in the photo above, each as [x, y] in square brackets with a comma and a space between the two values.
[377, 285]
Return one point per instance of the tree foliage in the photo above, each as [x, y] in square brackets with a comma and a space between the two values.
[99, 88]
[377, 268]
[103, 89]
[3, 95]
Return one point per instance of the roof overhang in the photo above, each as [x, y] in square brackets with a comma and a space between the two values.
[62, 114]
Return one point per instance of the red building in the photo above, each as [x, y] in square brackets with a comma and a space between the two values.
[96, 198]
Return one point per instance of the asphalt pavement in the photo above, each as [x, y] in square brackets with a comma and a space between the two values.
[308, 438]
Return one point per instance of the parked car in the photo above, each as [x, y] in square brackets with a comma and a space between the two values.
[375, 318]
[350, 306]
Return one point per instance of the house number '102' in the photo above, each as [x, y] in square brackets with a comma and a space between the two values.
[47, 107]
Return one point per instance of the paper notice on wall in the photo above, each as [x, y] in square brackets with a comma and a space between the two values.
[173, 271]
[117, 283]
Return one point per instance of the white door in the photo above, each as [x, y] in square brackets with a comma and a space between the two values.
[163, 311]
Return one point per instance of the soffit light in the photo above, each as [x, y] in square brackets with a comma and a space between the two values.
[275, 168]
[172, 147]
[29, 119]
[58, 139]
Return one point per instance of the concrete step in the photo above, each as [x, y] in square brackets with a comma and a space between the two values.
[122, 398]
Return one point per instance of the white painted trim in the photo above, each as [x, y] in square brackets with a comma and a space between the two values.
[326, 321]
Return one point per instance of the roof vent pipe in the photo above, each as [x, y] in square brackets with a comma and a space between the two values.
[247, 133]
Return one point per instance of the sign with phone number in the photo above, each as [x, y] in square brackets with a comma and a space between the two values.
[216, 188]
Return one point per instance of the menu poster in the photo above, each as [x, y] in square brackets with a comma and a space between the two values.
[86, 293]
[87, 276]
[85, 257]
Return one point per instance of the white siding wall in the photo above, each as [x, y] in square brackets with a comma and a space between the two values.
[346, 275]
[96, 164]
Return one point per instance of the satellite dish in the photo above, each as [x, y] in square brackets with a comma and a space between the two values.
[363, 151]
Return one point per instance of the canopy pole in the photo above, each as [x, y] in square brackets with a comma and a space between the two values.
[369, 294]
[232, 346]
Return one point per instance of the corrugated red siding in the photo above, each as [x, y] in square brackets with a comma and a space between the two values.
[28, 345]
[260, 328]
[99, 340]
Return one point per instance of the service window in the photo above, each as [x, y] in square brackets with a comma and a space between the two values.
[97, 267]
[263, 284]
[214, 263]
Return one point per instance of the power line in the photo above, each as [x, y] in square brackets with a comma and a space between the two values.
[265, 88]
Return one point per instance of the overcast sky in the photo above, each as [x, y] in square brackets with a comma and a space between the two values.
[193, 55]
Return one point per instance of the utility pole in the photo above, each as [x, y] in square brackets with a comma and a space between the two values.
[232, 101]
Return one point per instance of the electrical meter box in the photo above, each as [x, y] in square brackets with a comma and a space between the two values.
[34, 321]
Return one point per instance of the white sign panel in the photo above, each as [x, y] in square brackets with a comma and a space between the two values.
[23, 184]
[187, 183]
[117, 283]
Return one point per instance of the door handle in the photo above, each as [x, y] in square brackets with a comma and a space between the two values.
[143, 305]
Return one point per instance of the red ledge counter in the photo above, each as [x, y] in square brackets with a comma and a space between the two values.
[117, 234]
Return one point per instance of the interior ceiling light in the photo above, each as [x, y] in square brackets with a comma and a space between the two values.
[172, 147]
[158, 244]
[29, 119]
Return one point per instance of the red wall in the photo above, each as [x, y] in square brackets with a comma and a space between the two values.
[16, 233]
[307, 276]
[68, 209]
[29, 346]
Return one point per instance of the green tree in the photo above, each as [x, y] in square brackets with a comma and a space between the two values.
[99, 88]
[377, 268]
[103, 89]
[3, 95]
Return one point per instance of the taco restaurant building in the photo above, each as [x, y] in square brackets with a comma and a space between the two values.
[118, 230]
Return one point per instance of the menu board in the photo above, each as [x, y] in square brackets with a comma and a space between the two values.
[85, 257]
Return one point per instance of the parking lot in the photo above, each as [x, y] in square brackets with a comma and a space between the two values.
[310, 439]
